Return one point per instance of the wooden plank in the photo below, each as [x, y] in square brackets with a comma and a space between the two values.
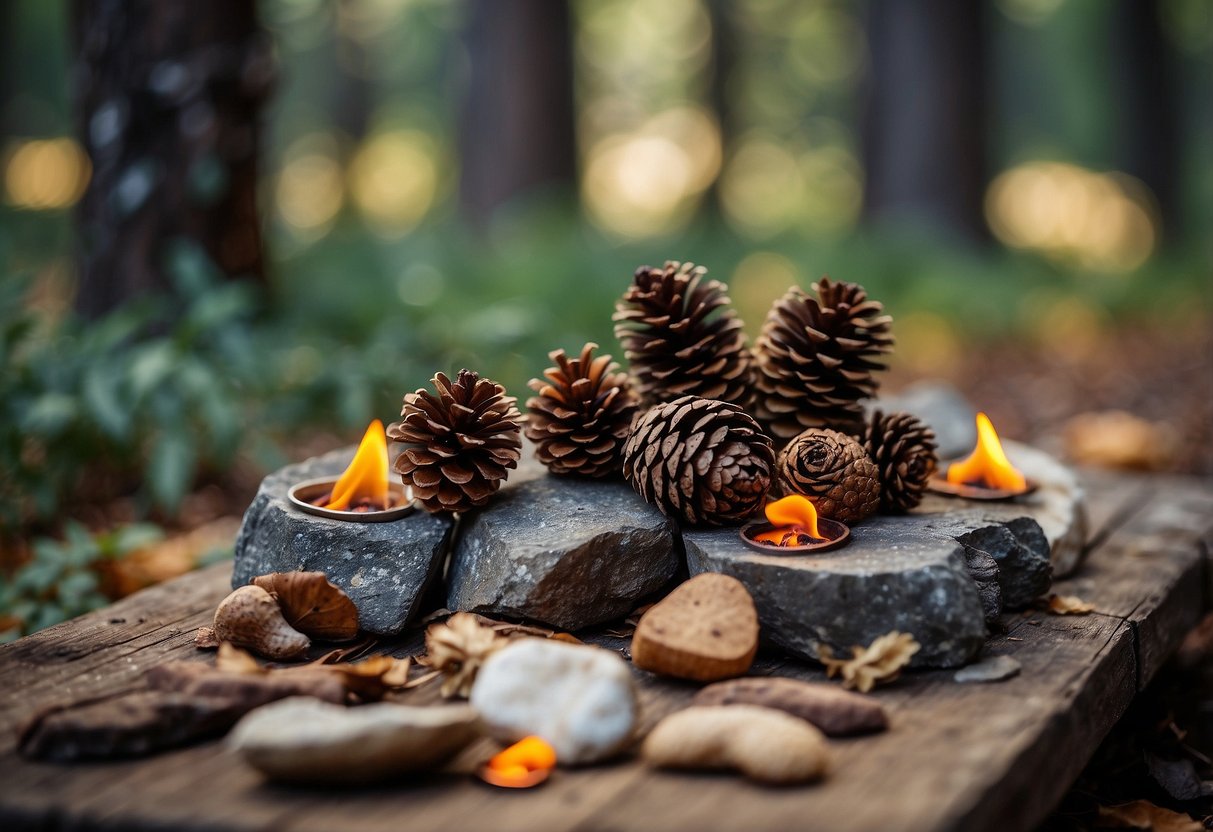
[957, 756]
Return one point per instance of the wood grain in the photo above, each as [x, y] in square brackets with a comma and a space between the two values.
[956, 756]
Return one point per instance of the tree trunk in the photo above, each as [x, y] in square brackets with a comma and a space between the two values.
[924, 127]
[168, 94]
[1147, 119]
[517, 126]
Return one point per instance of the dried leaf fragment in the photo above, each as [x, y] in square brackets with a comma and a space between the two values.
[205, 638]
[1142, 814]
[1068, 605]
[312, 604]
[881, 661]
[458, 648]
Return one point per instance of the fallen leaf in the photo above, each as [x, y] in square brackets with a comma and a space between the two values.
[1197, 645]
[312, 604]
[1142, 814]
[881, 661]
[458, 648]
[1068, 605]
[1118, 439]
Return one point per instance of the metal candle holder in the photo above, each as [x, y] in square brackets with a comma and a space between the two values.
[940, 485]
[302, 494]
[837, 535]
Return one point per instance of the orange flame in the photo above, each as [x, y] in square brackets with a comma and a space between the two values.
[525, 763]
[793, 516]
[366, 478]
[988, 465]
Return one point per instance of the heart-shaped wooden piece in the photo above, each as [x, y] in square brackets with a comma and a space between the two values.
[706, 629]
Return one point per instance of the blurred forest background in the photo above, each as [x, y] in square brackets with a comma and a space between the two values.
[230, 235]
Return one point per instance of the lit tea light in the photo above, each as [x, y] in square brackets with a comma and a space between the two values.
[363, 492]
[793, 527]
[524, 764]
[986, 474]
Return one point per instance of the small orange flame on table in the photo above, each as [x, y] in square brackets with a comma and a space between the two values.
[526, 763]
[365, 481]
[987, 466]
[794, 518]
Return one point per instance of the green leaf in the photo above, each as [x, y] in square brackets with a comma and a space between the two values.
[50, 414]
[130, 538]
[170, 470]
[102, 396]
[152, 365]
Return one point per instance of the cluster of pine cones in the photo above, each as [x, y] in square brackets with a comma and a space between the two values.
[704, 426]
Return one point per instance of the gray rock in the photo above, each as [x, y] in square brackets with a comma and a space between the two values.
[983, 569]
[1018, 548]
[1058, 505]
[894, 575]
[385, 568]
[565, 551]
[994, 669]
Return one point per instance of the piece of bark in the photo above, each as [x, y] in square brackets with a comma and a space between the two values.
[253, 690]
[130, 725]
[835, 711]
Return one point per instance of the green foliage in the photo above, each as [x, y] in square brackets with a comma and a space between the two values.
[62, 579]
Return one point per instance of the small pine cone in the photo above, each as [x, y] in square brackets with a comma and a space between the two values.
[700, 461]
[903, 449]
[582, 415]
[676, 343]
[816, 358]
[834, 471]
[460, 443]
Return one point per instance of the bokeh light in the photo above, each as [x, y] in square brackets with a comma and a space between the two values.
[393, 179]
[311, 185]
[46, 174]
[1097, 221]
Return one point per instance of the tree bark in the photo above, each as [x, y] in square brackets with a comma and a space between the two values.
[1147, 117]
[925, 121]
[518, 122]
[168, 94]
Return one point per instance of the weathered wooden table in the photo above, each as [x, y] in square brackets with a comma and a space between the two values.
[958, 756]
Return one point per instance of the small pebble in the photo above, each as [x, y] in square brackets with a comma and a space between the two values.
[994, 669]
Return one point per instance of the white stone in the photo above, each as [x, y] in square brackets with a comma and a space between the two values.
[580, 699]
[305, 740]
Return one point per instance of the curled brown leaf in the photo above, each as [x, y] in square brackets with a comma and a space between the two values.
[312, 604]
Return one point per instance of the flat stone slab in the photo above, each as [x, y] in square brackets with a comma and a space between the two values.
[385, 568]
[939, 573]
[565, 551]
[1058, 505]
[891, 576]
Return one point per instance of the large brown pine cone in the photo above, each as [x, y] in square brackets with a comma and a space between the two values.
[903, 449]
[700, 461]
[582, 415]
[816, 358]
[834, 471]
[460, 443]
[680, 336]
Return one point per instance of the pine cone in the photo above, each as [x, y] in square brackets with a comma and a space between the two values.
[460, 442]
[700, 460]
[675, 343]
[815, 358]
[832, 470]
[582, 415]
[903, 449]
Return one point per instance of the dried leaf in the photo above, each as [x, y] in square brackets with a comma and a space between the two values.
[1142, 814]
[205, 638]
[231, 659]
[1118, 439]
[313, 604]
[369, 679]
[1068, 605]
[881, 661]
[1197, 645]
[458, 648]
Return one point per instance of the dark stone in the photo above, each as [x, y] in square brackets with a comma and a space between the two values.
[565, 551]
[894, 575]
[1024, 571]
[983, 569]
[385, 568]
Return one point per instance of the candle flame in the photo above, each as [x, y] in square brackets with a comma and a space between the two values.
[366, 478]
[525, 763]
[792, 517]
[988, 465]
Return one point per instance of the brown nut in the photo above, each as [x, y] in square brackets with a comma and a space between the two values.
[250, 618]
